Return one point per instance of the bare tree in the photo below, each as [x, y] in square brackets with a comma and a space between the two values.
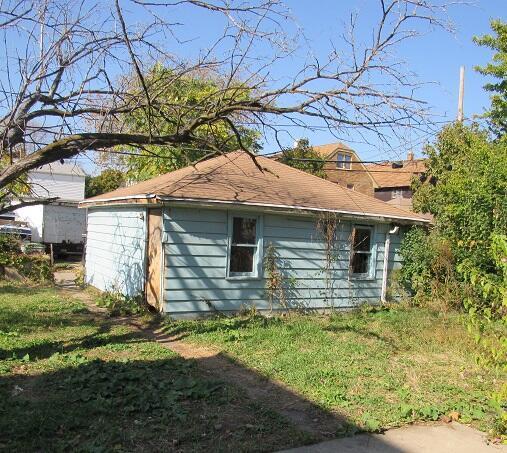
[67, 68]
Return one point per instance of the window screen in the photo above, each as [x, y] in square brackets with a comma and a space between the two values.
[243, 246]
[360, 263]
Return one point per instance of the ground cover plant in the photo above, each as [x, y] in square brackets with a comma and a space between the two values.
[378, 368]
[72, 380]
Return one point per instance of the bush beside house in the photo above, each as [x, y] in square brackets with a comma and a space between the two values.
[36, 267]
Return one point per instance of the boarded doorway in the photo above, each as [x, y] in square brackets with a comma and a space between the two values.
[154, 259]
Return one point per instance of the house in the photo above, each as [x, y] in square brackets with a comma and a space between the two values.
[394, 179]
[196, 240]
[63, 180]
[387, 181]
[344, 167]
[60, 222]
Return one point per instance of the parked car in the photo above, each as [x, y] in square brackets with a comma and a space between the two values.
[23, 232]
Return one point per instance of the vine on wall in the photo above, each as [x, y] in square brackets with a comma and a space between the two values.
[281, 287]
[327, 225]
[275, 290]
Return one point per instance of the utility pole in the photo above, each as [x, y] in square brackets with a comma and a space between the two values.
[461, 93]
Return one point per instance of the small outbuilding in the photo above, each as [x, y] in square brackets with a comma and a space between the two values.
[59, 222]
[235, 232]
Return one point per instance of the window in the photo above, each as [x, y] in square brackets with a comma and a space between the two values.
[243, 247]
[361, 252]
[397, 193]
[343, 161]
[350, 186]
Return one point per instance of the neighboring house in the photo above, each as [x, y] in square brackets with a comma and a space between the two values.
[60, 222]
[195, 240]
[344, 167]
[389, 181]
[394, 179]
[65, 181]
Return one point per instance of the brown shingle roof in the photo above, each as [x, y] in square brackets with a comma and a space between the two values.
[329, 148]
[235, 178]
[386, 176]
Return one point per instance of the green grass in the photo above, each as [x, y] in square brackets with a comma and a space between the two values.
[379, 369]
[70, 380]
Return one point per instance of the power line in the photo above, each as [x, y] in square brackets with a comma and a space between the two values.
[370, 171]
[158, 156]
[333, 161]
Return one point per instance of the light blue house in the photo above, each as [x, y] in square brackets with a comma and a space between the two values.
[235, 232]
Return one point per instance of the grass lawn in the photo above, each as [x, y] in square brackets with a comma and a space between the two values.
[380, 368]
[72, 381]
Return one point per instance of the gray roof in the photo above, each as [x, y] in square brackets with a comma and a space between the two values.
[58, 168]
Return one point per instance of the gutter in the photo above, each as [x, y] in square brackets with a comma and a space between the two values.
[387, 246]
[274, 207]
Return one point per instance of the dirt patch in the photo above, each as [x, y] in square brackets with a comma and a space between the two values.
[274, 395]
[271, 395]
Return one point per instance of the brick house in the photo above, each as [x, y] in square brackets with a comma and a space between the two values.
[389, 181]
[393, 180]
[344, 167]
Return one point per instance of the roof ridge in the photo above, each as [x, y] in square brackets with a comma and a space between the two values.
[241, 178]
[346, 191]
[333, 143]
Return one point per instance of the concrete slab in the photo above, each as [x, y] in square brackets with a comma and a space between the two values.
[438, 438]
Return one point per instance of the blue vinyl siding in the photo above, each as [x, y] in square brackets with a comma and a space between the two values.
[115, 249]
[195, 247]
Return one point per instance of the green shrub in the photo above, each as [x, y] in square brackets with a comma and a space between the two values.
[417, 254]
[429, 271]
[117, 304]
[465, 190]
[36, 267]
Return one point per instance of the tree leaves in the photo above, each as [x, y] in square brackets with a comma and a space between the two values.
[497, 69]
[110, 179]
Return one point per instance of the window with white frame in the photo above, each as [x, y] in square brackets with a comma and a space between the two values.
[243, 246]
[361, 252]
[343, 161]
[397, 193]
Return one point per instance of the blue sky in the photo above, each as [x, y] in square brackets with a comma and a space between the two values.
[435, 57]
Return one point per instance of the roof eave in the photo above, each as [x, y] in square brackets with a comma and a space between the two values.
[92, 202]
[151, 198]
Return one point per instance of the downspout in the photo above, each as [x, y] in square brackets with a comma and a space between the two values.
[387, 245]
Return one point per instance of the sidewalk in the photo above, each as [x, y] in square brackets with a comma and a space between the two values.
[438, 438]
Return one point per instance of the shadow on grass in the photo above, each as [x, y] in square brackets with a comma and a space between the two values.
[46, 349]
[182, 329]
[7, 288]
[167, 403]
[23, 322]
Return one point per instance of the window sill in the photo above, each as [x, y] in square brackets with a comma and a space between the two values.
[243, 277]
[362, 278]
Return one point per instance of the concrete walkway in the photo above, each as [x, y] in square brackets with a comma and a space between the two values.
[438, 438]
[64, 279]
